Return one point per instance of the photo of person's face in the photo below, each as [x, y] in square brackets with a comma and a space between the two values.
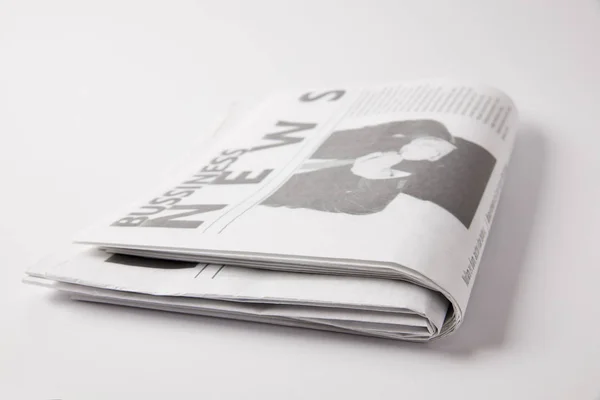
[379, 165]
[362, 170]
[426, 149]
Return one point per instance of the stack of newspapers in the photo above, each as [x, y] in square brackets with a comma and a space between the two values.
[362, 210]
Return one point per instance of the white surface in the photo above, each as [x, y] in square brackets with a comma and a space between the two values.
[96, 99]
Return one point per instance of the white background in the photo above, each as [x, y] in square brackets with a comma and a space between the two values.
[98, 98]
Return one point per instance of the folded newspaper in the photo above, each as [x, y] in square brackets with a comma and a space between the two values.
[360, 210]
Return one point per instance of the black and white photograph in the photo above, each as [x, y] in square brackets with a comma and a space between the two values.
[360, 171]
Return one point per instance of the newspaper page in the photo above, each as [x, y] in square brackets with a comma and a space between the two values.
[366, 305]
[395, 181]
[221, 309]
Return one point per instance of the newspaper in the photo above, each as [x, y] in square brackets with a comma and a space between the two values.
[381, 307]
[359, 210]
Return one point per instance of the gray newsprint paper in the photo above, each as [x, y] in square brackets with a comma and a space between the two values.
[359, 209]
